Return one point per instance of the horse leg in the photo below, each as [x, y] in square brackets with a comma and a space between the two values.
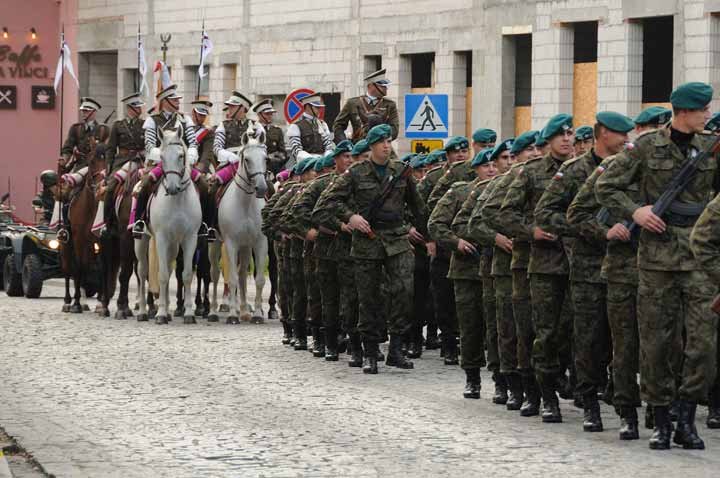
[232, 253]
[165, 256]
[141, 274]
[214, 253]
[244, 263]
[126, 271]
[77, 307]
[179, 270]
[188, 251]
[260, 256]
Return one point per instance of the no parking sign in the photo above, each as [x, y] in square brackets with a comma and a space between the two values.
[292, 108]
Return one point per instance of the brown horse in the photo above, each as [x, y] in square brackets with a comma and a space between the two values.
[78, 256]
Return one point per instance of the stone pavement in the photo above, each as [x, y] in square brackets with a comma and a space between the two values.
[100, 397]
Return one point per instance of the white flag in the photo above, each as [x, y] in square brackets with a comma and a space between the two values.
[65, 61]
[142, 67]
[207, 47]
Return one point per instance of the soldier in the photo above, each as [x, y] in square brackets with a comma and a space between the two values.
[274, 136]
[309, 136]
[548, 266]
[44, 201]
[584, 140]
[380, 190]
[373, 107]
[651, 118]
[541, 146]
[675, 291]
[483, 138]
[588, 291]
[77, 144]
[125, 151]
[204, 136]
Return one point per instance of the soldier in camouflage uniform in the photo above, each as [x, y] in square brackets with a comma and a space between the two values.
[584, 140]
[548, 266]
[483, 138]
[588, 291]
[380, 241]
[674, 292]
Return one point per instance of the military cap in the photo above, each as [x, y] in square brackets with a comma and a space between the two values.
[169, 93]
[539, 140]
[90, 104]
[133, 99]
[320, 163]
[523, 141]
[615, 121]
[691, 96]
[152, 109]
[378, 133]
[378, 77]
[300, 166]
[557, 124]
[264, 106]
[583, 133]
[417, 161]
[408, 158]
[344, 146]
[307, 164]
[436, 156]
[484, 135]
[48, 178]
[653, 115]
[360, 147]
[314, 99]
[238, 99]
[713, 124]
[484, 156]
[500, 148]
[456, 143]
[202, 107]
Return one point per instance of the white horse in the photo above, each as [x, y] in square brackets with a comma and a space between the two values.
[175, 218]
[240, 226]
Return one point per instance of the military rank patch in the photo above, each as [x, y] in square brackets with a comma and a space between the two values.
[600, 169]
[629, 146]
[558, 175]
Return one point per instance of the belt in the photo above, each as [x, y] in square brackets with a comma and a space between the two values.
[684, 214]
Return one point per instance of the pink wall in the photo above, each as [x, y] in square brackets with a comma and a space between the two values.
[30, 138]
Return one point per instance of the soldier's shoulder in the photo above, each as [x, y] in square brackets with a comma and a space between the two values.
[458, 165]
[359, 168]
[532, 163]
[645, 139]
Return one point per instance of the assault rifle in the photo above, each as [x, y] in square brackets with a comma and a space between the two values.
[378, 202]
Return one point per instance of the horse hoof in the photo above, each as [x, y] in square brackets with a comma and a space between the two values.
[152, 313]
[272, 314]
[179, 312]
[189, 319]
[136, 306]
[104, 312]
[246, 317]
[127, 312]
[99, 309]
[198, 312]
[213, 318]
[160, 320]
[142, 318]
[76, 309]
[66, 308]
[86, 308]
[224, 308]
[232, 320]
[257, 319]
[119, 315]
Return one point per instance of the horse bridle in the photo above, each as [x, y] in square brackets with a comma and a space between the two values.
[250, 175]
[184, 181]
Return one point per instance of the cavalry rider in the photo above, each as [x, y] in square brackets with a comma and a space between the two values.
[309, 136]
[125, 152]
[204, 136]
[168, 114]
[275, 137]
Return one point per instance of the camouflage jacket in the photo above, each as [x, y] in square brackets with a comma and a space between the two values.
[127, 141]
[463, 266]
[340, 247]
[478, 231]
[276, 206]
[705, 240]
[302, 210]
[461, 171]
[440, 228]
[652, 163]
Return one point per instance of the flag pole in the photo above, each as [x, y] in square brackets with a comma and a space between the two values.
[62, 81]
[137, 72]
[202, 41]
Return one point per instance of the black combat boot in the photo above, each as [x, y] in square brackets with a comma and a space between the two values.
[592, 422]
[713, 419]
[515, 387]
[649, 417]
[370, 363]
[287, 332]
[551, 405]
[501, 396]
[451, 350]
[318, 349]
[531, 408]
[395, 358]
[331, 345]
[674, 410]
[629, 424]
[356, 352]
[660, 439]
[431, 339]
[300, 335]
[472, 383]
[415, 348]
[565, 387]
[686, 432]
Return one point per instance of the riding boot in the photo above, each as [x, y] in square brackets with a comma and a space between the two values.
[356, 352]
[318, 342]
[551, 406]
[331, 344]
[686, 432]
[108, 209]
[629, 424]
[515, 387]
[531, 408]
[451, 352]
[592, 421]
[140, 207]
[501, 396]
[370, 363]
[300, 335]
[660, 439]
[395, 357]
[472, 383]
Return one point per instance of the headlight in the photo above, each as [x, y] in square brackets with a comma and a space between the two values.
[53, 244]
[96, 247]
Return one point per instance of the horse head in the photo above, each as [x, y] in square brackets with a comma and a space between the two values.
[254, 158]
[172, 158]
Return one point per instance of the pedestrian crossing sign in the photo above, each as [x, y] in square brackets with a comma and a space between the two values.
[426, 116]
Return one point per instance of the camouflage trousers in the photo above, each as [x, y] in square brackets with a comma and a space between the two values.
[348, 295]
[469, 307]
[299, 294]
[312, 288]
[507, 336]
[443, 297]
[286, 278]
[282, 279]
[670, 303]
[714, 398]
[549, 293]
[622, 317]
[369, 275]
[422, 308]
[591, 334]
[522, 313]
[329, 284]
[272, 272]
[489, 314]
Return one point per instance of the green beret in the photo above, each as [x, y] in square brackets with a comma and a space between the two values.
[557, 124]
[583, 133]
[484, 135]
[378, 133]
[653, 115]
[713, 123]
[319, 164]
[484, 156]
[436, 156]
[306, 165]
[539, 140]
[344, 146]
[615, 121]
[417, 161]
[691, 96]
[523, 141]
[299, 166]
[500, 148]
[456, 143]
[360, 147]
[408, 158]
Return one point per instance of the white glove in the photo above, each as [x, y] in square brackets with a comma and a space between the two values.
[154, 156]
[227, 157]
[192, 155]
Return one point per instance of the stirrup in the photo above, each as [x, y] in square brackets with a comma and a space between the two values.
[211, 234]
[63, 236]
[138, 229]
[204, 230]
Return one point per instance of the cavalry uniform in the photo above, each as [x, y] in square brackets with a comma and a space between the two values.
[274, 137]
[77, 143]
[309, 136]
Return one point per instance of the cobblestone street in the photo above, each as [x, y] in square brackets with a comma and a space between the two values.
[100, 397]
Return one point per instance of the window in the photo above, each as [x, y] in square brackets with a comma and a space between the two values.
[422, 69]
[523, 70]
[657, 69]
